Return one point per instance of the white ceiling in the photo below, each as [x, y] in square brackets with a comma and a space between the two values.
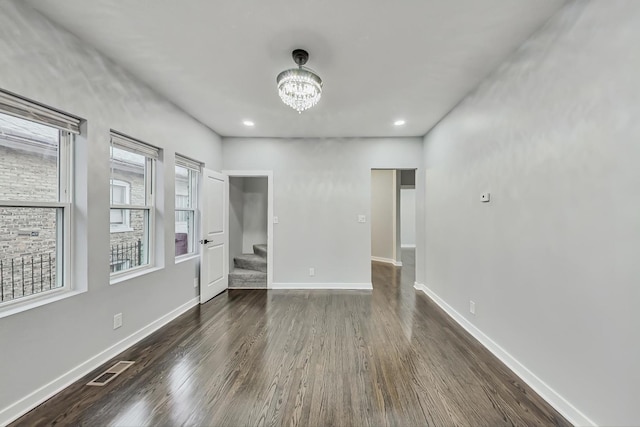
[380, 60]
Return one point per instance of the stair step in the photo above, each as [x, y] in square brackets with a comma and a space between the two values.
[240, 278]
[260, 250]
[251, 262]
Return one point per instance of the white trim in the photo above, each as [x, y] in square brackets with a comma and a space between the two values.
[37, 300]
[187, 257]
[387, 261]
[269, 175]
[570, 412]
[340, 286]
[26, 204]
[132, 273]
[30, 401]
[119, 228]
[132, 207]
[408, 246]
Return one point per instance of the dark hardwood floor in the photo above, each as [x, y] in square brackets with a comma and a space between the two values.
[310, 358]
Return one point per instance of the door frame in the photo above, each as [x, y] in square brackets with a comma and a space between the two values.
[258, 174]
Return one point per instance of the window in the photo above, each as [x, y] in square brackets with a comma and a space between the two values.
[187, 176]
[120, 195]
[35, 200]
[132, 213]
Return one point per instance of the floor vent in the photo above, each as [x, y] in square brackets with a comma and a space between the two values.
[110, 374]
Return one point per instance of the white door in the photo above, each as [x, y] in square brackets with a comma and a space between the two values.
[214, 271]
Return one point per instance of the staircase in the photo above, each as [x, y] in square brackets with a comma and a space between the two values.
[250, 270]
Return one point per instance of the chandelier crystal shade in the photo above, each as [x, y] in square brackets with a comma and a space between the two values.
[299, 88]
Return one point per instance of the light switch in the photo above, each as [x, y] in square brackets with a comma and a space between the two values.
[275, 220]
[485, 197]
[362, 218]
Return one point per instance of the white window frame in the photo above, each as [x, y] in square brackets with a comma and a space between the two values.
[151, 155]
[126, 217]
[194, 188]
[67, 127]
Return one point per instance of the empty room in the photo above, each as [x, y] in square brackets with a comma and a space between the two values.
[319, 213]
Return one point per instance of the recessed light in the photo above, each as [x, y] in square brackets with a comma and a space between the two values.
[399, 122]
[248, 123]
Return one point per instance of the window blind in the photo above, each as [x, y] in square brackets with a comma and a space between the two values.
[24, 109]
[188, 163]
[119, 140]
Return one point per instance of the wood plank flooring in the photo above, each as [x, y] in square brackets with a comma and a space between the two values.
[389, 357]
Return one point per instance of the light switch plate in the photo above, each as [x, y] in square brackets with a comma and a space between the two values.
[362, 218]
[275, 220]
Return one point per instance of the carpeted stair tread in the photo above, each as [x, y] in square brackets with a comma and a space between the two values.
[260, 250]
[245, 272]
[241, 278]
[251, 262]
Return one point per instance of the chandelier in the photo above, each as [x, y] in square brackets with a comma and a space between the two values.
[299, 88]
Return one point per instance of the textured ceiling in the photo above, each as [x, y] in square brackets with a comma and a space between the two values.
[380, 60]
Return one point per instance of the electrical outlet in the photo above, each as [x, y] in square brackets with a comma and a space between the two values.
[472, 307]
[196, 282]
[312, 271]
[117, 320]
[362, 218]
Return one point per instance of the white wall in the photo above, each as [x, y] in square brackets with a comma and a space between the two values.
[236, 218]
[320, 188]
[42, 62]
[255, 213]
[383, 193]
[408, 217]
[552, 261]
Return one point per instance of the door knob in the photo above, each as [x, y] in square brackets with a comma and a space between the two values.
[205, 241]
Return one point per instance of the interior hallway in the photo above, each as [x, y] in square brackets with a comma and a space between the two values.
[386, 357]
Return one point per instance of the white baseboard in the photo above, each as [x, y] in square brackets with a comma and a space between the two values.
[27, 403]
[408, 246]
[387, 260]
[341, 286]
[570, 412]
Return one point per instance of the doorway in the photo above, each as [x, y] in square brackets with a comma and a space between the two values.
[393, 216]
[250, 213]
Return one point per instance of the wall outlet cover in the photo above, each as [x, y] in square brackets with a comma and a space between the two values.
[485, 197]
[117, 320]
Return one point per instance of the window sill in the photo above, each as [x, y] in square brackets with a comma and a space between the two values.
[186, 257]
[19, 307]
[120, 230]
[114, 280]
